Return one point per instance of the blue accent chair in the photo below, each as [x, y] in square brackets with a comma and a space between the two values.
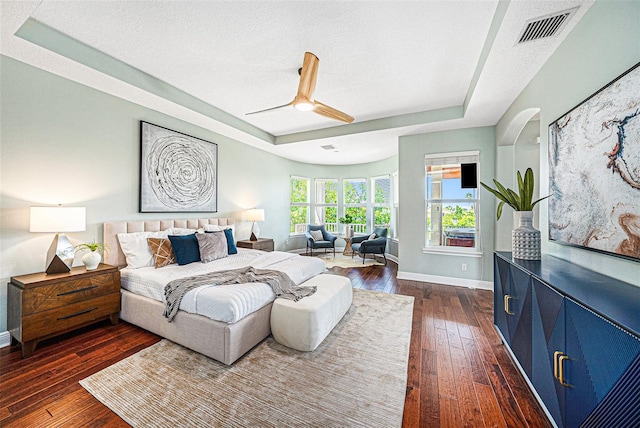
[363, 245]
[328, 240]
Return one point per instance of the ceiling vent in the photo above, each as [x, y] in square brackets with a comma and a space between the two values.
[547, 26]
[328, 147]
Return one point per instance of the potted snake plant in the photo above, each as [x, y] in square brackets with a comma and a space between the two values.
[525, 238]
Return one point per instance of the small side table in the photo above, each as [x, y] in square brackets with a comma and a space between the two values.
[264, 244]
[347, 248]
[41, 306]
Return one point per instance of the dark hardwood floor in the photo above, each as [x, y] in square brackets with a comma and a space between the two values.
[459, 374]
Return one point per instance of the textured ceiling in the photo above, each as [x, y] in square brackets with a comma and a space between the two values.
[380, 62]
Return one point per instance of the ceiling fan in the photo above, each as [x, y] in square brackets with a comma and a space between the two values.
[304, 98]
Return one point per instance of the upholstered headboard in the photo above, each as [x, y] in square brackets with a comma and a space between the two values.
[113, 255]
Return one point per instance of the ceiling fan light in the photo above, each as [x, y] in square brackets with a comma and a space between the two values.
[304, 106]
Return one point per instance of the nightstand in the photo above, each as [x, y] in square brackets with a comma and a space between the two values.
[264, 244]
[41, 306]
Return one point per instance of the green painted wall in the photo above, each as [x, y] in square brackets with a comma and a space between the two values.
[412, 150]
[63, 142]
[602, 46]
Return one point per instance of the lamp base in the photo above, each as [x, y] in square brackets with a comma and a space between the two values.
[255, 232]
[60, 255]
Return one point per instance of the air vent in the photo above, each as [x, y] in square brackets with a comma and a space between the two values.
[547, 26]
[328, 147]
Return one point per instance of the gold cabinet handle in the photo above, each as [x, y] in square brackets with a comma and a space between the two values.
[555, 364]
[506, 304]
[561, 360]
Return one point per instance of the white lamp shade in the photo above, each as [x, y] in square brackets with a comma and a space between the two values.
[57, 219]
[255, 215]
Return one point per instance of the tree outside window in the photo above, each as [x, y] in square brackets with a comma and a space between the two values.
[355, 202]
[326, 207]
[299, 204]
[381, 201]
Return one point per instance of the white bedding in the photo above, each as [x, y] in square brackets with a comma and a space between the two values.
[226, 303]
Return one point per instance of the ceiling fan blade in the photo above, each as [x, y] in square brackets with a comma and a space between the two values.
[269, 109]
[308, 77]
[330, 112]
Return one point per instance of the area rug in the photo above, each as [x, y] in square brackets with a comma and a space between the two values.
[341, 260]
[355, 378]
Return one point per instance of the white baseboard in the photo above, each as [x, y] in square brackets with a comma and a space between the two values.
[5, 339]
[447, 280]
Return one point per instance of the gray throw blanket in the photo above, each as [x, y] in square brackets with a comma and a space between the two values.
[280, 283]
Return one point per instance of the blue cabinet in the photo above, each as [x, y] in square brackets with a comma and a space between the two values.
[583, 365]
[512, 312]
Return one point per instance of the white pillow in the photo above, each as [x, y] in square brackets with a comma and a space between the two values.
[316, 235]
[372, 236]
[212, 228]
[179, 231]
[136, 248]
[216, 228]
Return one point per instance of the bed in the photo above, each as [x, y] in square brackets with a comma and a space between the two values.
[238, 329]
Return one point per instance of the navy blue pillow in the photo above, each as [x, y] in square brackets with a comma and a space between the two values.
[185, 248]
[231, 244]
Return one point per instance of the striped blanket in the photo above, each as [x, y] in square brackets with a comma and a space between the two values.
[280, 283]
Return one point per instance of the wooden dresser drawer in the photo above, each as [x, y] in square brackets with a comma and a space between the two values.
[67, 317]
[40, 306]
[44, 298]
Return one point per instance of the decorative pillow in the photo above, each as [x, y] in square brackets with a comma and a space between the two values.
[316, 235]
[372, 236]
[185, 248]
[136, 248]
[162, 251]
[179, 231]
[231, 244]
[212, 245]
[232, 228]
[212, 228]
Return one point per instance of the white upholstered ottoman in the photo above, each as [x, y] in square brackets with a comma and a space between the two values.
[304, 324]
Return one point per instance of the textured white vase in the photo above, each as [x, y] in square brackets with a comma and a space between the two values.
[525, 239]
[348, 231]
[91, 260]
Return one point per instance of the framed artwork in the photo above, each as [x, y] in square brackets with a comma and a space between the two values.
[178, 172]
[594, 166]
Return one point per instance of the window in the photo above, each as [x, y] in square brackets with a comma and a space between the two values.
[299, 204]
[355, 202]
[451, 211]
[326, 207]
[381, 201]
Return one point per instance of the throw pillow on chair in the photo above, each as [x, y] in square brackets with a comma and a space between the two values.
[316, 235]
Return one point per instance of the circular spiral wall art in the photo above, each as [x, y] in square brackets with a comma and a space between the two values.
[178, 172]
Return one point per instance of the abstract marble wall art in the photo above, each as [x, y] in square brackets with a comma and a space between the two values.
[178, 173]
[594, 167]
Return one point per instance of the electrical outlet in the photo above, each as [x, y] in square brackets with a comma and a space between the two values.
[464, 266]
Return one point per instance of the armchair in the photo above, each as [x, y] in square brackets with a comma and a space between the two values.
[327, 241]
[363, 245]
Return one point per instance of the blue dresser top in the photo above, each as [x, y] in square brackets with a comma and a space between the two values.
[613, 299]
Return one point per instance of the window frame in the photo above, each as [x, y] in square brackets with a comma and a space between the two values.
[387, 204]
[358, 227]
[330, 227]
[476, 250]
[299, 204]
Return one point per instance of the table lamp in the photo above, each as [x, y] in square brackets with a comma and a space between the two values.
[255, 216]
[58, 219]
